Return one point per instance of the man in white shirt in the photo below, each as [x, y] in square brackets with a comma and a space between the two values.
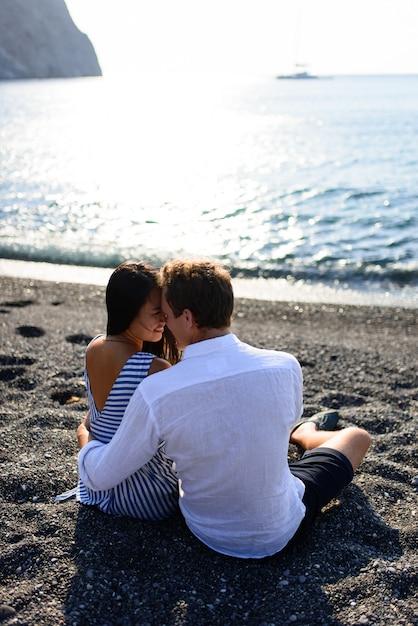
[225, 413]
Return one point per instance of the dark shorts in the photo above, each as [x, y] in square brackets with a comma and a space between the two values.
[324, 472]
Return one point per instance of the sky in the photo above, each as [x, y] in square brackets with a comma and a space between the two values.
[251, 36]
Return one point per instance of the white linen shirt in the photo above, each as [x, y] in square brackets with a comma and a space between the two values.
[225, 412]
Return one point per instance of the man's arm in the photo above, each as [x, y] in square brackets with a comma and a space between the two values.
[103, 466]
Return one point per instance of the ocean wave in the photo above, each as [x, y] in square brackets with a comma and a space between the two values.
[328, 270]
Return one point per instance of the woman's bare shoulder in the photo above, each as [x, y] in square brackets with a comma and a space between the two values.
[107, 356]
[158, 365]
[96, 343]
[95, 348]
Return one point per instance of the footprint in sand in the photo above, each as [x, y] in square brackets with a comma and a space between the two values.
[69, 396]
[18, 303]
[13, 368]
[79, 338]
[30, 331]
[6, 360]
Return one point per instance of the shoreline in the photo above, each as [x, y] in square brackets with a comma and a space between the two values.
[62, 563]
[273, 289]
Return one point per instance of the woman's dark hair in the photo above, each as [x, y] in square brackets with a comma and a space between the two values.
[128, 289]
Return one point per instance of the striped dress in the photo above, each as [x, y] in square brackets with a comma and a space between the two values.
[152, 492]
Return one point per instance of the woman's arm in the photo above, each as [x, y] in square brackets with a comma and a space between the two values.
[83, 432]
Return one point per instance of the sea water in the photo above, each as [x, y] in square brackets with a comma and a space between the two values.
[301, 183]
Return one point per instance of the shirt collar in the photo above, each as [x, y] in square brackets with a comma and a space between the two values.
[207, 346]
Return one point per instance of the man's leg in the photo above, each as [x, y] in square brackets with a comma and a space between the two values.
[325, 473]
[353, 442]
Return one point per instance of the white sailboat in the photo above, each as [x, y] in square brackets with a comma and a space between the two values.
[299, 73]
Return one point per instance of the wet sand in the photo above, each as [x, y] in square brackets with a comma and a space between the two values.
[66, 564]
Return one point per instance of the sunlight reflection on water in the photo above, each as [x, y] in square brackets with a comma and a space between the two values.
[259, 174]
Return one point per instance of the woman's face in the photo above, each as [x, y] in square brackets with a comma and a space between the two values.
[149, 323]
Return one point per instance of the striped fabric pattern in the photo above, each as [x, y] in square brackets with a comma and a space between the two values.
[152, 492]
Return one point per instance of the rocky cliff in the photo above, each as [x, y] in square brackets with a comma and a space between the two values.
[38, 39]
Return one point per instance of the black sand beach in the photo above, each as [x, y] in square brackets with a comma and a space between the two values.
[66, 564]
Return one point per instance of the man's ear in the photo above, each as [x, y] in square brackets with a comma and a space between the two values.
[188, 317]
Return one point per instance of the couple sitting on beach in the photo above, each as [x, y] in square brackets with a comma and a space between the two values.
[211, 433]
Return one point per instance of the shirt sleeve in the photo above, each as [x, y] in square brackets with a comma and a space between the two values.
[297, 409]
[105, 465]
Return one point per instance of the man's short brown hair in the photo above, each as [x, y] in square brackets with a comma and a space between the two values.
[202, 286]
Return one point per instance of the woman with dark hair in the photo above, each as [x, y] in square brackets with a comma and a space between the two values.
[137, 344]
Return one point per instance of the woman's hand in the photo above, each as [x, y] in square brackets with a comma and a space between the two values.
[82, 435]
[83, 432]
